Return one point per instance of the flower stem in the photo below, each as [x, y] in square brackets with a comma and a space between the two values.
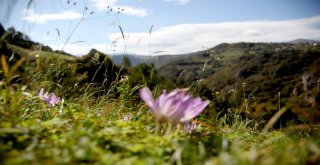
[178, 128]
[168, 131]
[158, 128]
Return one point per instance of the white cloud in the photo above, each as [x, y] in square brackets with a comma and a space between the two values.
[41, 18]
[103, 5]
[134, 11]
[79, 49]
[180, 2]
[186, 38]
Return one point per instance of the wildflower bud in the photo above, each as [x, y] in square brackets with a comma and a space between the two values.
[189, 127]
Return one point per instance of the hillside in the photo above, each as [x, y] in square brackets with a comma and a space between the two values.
[229, 49]
[250, 77]
[198, 65]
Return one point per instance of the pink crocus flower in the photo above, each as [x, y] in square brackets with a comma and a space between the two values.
[52, 100]
[175, 107]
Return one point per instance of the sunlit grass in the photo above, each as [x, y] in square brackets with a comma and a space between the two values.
[44, 54]
[93, 131]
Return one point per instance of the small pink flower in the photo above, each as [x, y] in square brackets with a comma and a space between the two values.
[127, 118]
[174, 107]
[52, 100]
[190, 127]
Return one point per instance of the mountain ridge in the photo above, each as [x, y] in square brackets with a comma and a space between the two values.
[160, 60]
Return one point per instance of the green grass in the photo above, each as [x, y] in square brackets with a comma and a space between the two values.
[93, 132]
[43, 54]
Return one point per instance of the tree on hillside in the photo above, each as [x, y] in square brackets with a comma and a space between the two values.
[2, 30]
[18, 38]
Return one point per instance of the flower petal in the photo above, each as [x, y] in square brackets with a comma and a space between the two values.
[168, 101]
[179, 109]
[40, 94]
[147, 97]
[194, 110]
[162, 99]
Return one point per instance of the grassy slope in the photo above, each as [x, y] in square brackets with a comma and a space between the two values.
[86, 132]
[44, 54]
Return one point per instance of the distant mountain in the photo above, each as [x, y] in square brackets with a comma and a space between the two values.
[304, 41]
[134, 59]
[230, 49]
[137, 59]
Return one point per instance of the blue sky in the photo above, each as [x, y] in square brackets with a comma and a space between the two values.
[150, 26]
